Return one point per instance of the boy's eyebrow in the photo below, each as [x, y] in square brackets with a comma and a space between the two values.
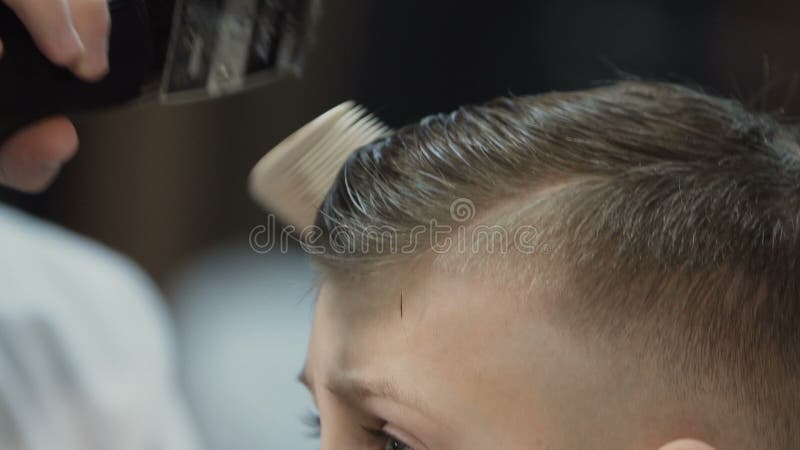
[353, 388]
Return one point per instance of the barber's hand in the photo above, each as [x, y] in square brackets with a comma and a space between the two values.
[72, 34]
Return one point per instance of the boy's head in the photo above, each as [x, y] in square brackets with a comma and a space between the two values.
[615, 268]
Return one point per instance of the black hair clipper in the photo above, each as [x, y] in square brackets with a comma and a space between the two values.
[182, 51]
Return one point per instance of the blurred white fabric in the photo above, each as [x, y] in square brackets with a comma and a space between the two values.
[86, 361]
[244, 320]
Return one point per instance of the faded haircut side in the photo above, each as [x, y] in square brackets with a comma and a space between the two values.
[678, 220]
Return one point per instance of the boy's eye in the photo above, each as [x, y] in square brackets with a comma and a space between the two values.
[389, 442]
[395, 444]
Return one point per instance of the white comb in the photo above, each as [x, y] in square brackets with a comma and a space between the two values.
[293, 178]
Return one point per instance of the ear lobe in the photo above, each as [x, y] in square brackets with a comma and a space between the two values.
[686, 444]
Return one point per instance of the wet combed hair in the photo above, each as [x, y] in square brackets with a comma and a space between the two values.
[675, 214]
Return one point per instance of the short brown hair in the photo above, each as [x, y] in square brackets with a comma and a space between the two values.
[678, 219]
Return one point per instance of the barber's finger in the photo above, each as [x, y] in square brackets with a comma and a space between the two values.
[31, 158]
[93, 22]
[50, 24]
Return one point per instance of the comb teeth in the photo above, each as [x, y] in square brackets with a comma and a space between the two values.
[293, 178]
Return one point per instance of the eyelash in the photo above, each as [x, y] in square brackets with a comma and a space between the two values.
[314, 424]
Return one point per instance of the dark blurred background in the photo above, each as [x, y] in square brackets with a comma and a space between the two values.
[162, 184]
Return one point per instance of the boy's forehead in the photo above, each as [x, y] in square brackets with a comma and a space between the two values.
[431, 323]
[401, 291]
[425, 307]
[462, 342]
[367, 296]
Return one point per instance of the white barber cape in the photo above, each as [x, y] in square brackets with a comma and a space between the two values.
[85, 351]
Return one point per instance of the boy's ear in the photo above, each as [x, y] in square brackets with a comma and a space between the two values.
[686, 444]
